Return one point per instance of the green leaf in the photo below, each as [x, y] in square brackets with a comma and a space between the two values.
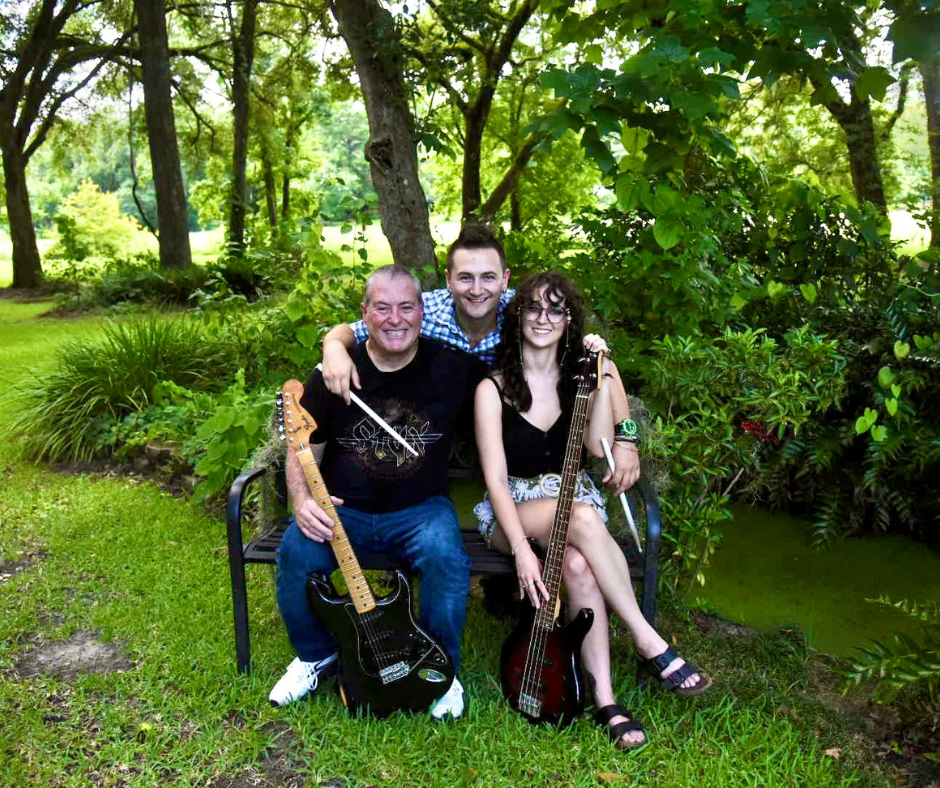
[896, 390]
[901, 350]
[891, 405]
[923, 343]
[594, 53]
[809, 292]
[915, 36]
[308, 336]
[775, 288]
[597, 149]
[879, 433]
[672, 50]
[885, 377]
[873, 82]
[664, 199]
[667, 231]
[630, 189]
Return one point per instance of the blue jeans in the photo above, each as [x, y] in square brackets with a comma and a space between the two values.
[425, 538]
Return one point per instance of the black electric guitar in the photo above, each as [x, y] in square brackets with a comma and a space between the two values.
[540, 662]
[386, 661]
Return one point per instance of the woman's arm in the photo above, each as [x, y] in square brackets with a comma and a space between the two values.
[488, 418]
[600, 408]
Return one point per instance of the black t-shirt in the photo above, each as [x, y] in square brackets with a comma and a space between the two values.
[424, 401]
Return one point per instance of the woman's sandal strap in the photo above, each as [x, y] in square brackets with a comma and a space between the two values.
[604, 715]
[674, 680]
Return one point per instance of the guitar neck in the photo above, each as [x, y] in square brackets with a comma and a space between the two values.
[356, 582]
[558, 539]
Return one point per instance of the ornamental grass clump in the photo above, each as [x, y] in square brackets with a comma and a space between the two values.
[68, 413]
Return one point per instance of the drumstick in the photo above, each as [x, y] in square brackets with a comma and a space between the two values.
[623, 497]
[378, 419]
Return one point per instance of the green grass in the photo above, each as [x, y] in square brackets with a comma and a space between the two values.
[149, 573]
[913, 237]
[206, 245]
[766, 575]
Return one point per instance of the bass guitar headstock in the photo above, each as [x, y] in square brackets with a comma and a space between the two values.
[590, 370]
[294, 424]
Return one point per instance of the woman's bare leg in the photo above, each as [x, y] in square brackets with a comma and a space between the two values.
[589, 535]
[583, 592]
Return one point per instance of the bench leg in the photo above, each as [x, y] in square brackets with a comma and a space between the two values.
[240, 611]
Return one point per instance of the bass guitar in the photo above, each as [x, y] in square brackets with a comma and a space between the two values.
[386, 661]
[540, 661]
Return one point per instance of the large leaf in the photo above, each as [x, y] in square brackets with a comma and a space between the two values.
[873, 82]
[667, 231]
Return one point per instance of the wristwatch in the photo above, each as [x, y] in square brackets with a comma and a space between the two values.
[626, 429]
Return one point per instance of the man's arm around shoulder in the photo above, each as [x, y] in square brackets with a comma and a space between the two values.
[339, 371]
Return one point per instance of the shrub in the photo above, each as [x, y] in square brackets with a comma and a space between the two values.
[218, 431]
[723, 404]
[70, 413]
[90, 224]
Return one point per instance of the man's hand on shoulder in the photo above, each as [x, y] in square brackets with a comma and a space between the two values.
[339, 371]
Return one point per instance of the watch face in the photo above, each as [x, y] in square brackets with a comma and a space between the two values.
[627, 427]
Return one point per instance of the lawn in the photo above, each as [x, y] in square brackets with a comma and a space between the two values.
[114, 563]
[206, 245]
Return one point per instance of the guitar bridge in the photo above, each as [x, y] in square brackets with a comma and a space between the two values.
[394, 672]
[529, 705]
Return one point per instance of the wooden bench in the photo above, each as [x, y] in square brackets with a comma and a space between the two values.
[262, 549]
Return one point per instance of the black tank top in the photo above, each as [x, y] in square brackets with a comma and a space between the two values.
[529, 450]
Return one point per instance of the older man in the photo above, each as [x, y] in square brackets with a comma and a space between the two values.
[389, 501]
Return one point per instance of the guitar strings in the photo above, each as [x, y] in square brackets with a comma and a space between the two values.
[543, 622]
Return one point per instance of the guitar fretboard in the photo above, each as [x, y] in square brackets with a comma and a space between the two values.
[558, 540]
[359, 591]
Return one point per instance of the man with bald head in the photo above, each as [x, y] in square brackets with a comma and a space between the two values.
[389, 501]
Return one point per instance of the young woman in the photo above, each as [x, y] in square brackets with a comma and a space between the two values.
[523, 416]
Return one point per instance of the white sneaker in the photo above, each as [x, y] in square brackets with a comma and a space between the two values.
[451, 703]
[301, 678]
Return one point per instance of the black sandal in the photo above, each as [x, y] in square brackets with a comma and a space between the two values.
[603, 716]
[673, 682]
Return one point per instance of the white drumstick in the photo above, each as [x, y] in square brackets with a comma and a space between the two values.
[623, 496]
[378, 419]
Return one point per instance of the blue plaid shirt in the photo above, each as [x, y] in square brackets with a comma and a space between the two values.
[440, 322]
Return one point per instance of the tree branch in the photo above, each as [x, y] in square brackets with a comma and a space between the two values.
[903, 80]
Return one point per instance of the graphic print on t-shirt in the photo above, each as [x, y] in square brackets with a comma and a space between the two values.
[378, 453]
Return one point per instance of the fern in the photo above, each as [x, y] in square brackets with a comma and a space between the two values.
[902, 664]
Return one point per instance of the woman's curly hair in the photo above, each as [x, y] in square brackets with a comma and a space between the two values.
[558, 290]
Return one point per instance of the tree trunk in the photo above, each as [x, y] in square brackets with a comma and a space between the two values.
[370, 34]
[270, 188]
[27, 267]
[243, 53]
[930, 71]
[859, 128]
[470, 193]
[161, 131]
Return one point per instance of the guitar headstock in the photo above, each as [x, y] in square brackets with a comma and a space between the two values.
[590, 369]
[294, 424]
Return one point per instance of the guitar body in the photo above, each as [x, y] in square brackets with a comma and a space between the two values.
[386, 661]
[557, 689]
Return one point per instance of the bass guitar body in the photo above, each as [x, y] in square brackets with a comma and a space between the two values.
[386, 661]
[541, 669]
